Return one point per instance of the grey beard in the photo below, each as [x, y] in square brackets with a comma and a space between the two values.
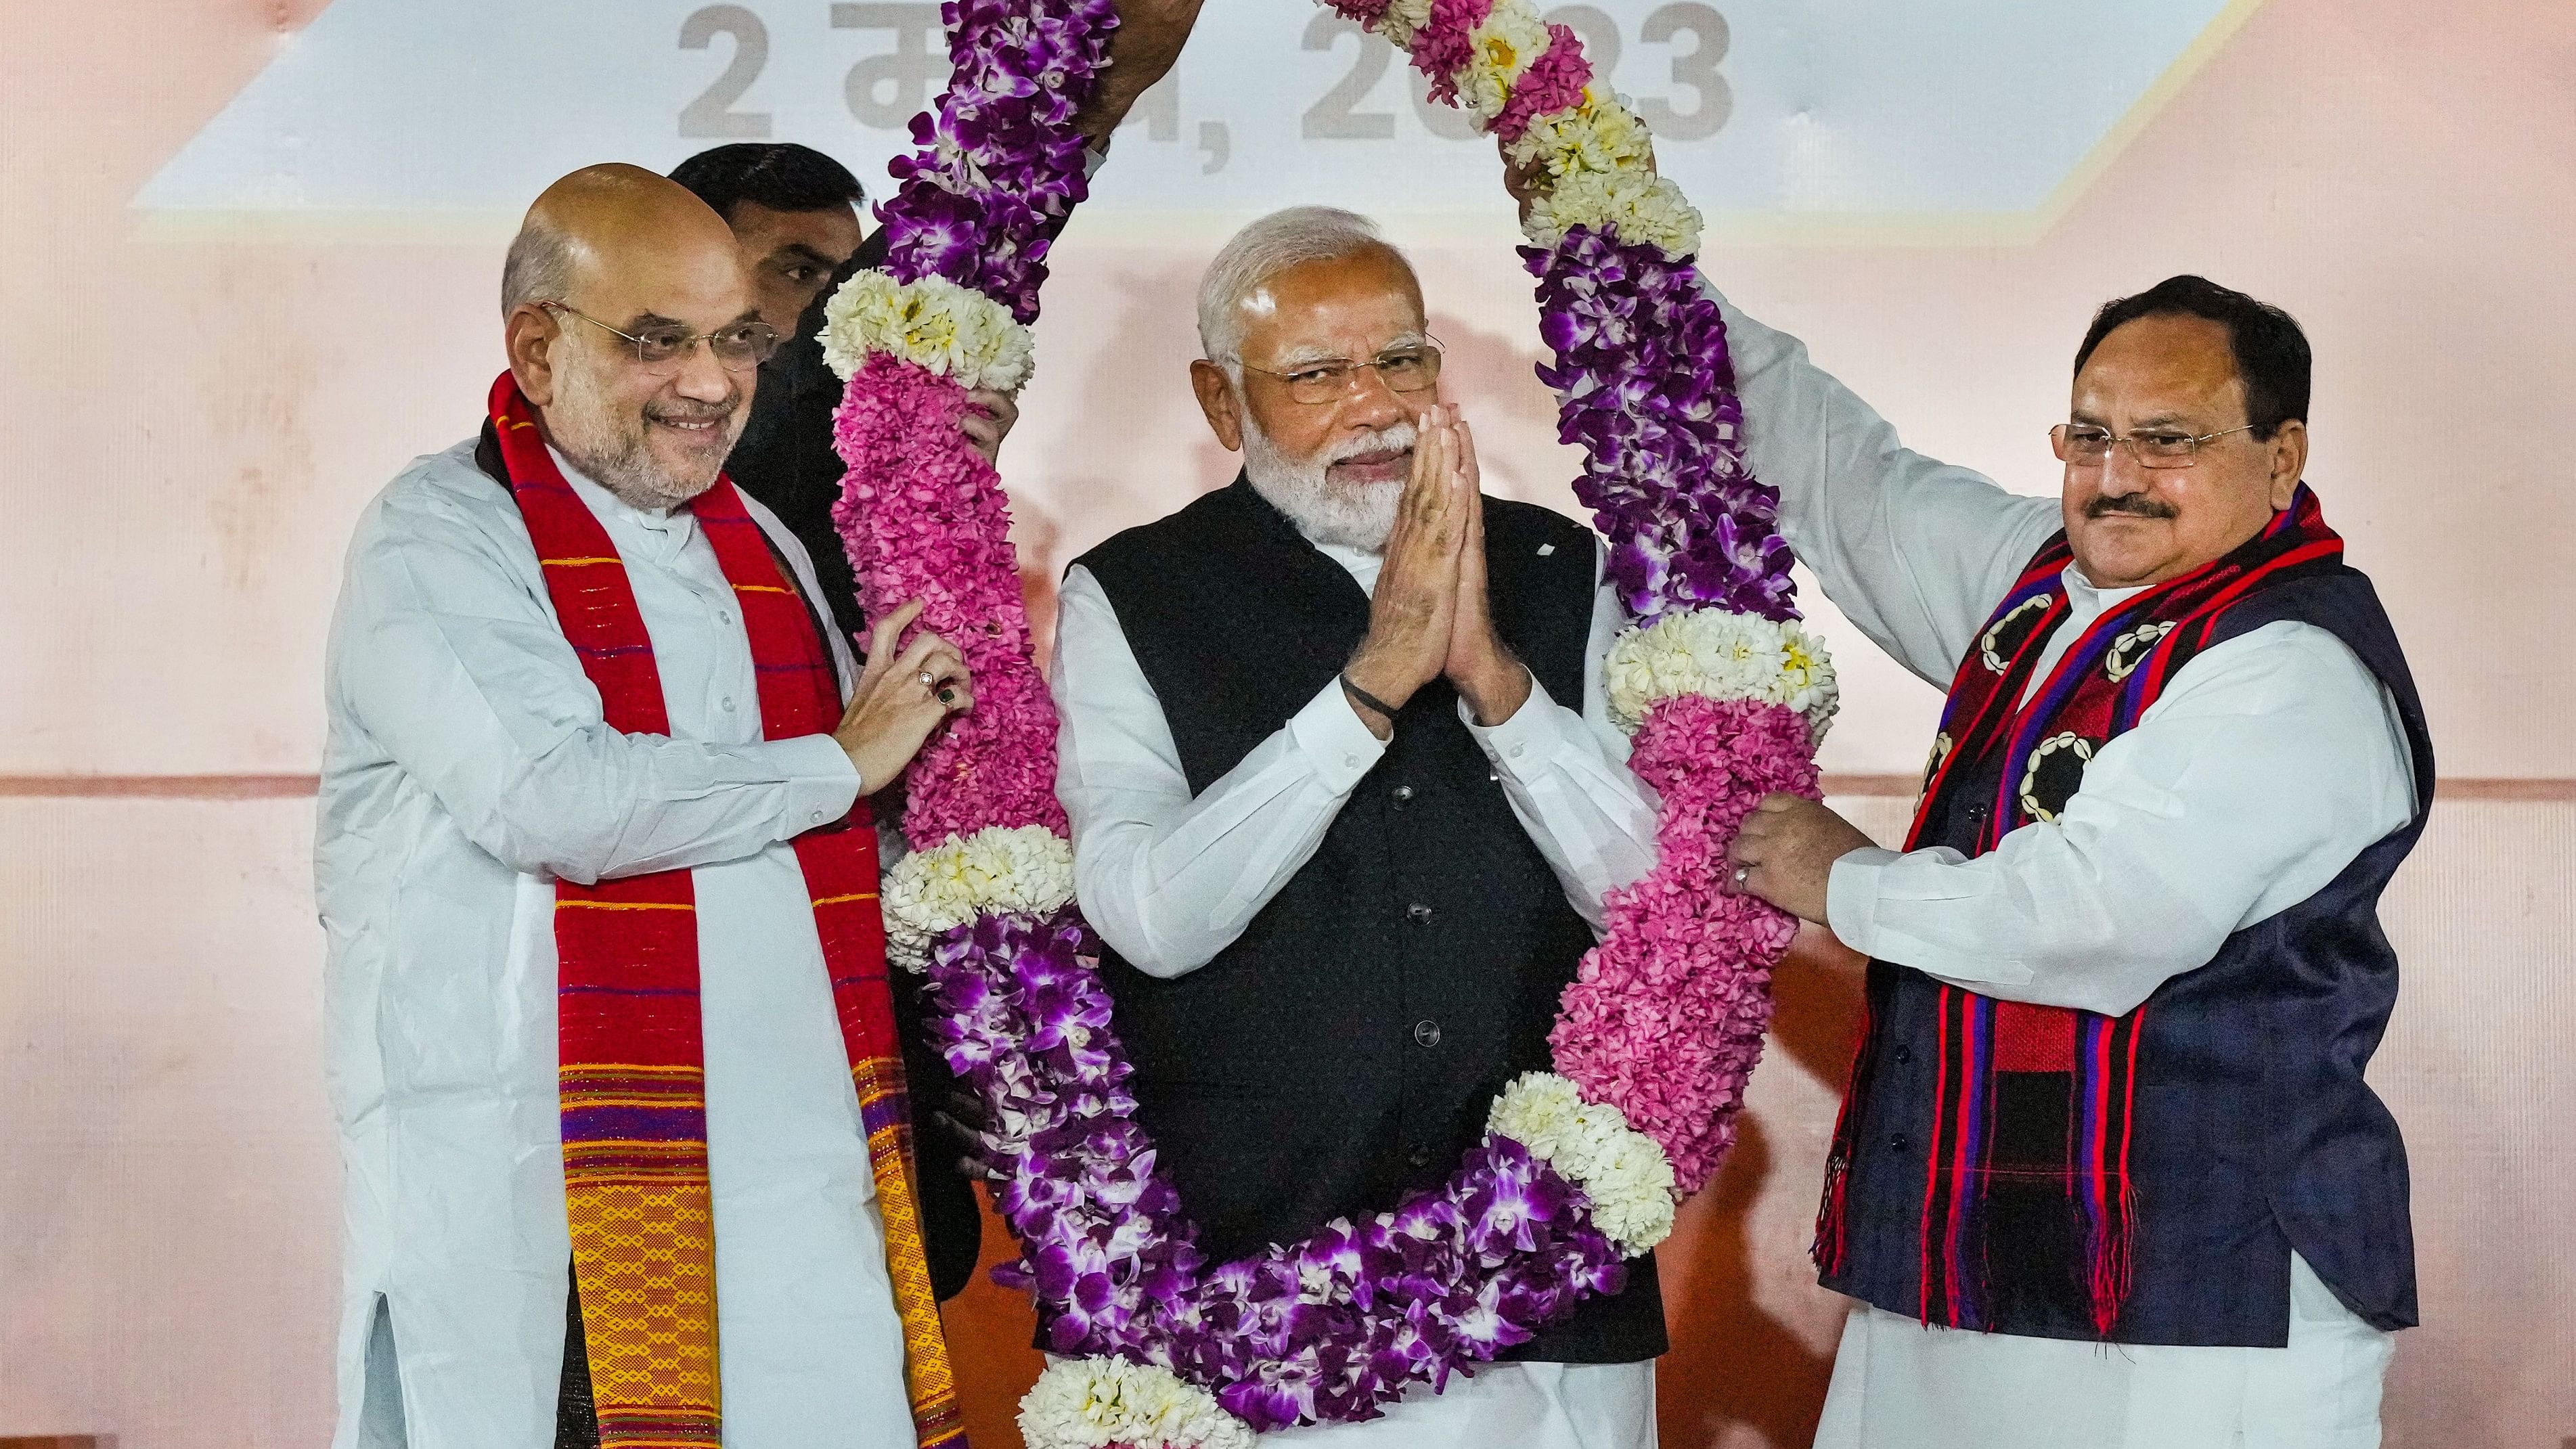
[1356, 516]
[612, 452]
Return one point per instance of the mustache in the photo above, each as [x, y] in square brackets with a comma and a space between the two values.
[1395, 438]
[695, 412]
[2133, 505]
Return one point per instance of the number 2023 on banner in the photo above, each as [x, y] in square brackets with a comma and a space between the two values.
[901, 60]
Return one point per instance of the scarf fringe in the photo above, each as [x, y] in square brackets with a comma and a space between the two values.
[2110, 1257]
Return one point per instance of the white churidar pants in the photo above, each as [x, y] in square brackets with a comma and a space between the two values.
[1900, 1385]
[1524, 1405]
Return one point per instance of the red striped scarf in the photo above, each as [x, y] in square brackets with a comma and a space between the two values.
[2097, 690]
[631, 1056]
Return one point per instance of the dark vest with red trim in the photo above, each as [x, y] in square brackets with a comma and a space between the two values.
[1344, 1050]
[2141, 1179]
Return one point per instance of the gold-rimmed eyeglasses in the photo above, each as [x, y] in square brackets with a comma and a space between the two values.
[664, 350]
[2081, 445]
[1413, 367]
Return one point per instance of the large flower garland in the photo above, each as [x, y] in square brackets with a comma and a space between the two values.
[1725, 695]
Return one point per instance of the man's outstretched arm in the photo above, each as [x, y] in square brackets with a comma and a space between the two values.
[1914, 551]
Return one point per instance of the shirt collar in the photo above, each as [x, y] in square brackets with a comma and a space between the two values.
[669, 528]
[2090, 601]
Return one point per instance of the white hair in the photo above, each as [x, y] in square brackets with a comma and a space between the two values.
[1354, 515]
[538, 268]
[1263, 250]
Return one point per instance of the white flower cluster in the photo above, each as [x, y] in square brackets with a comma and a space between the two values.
[1595, 158]
[1640, 206]
[952, 330]
[1092, 1403]
[1510, 37]
[1722, 655]
[1403, 18]
[1623, 1171]
[1600, 135]
[1023, 870]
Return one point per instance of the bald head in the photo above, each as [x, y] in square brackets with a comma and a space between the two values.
[616, 249]
[604, 219]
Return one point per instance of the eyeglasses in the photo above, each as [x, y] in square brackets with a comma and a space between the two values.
[1402, 369]
[2081, 446]
[662, 351]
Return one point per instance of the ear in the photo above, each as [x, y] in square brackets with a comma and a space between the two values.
[1217, 400]
[531, 334]
[2289, 461]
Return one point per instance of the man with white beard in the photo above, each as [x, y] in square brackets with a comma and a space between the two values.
[1342, 839]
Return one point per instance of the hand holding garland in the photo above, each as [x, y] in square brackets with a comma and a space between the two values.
[989, 417]
[1784, 853]
[902, 696]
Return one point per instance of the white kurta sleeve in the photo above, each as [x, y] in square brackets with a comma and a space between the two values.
[1915, 552]
[1169, 880]
[446, 653]
[1566, 776]
[2269, 762]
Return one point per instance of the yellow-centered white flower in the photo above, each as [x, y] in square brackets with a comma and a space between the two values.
[1598, 134]
[1722, 655]
[1021, 870]
[1640, 206]
[1500, 49]
[1092, 1403]
[951, 330]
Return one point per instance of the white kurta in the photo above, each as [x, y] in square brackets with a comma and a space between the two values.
[2266, 765]
[1170, 880]
[467, 769]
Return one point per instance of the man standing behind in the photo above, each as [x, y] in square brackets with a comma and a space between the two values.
[1328, 812]
[2108, 1173]
[793, 211]
[606, 971]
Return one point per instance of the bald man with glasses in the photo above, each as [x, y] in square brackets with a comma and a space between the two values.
[608, 1008]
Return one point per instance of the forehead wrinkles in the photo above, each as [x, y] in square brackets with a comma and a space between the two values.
[1306, 352]
[1334, 328]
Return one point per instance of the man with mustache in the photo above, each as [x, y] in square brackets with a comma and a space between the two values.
[1345, 800]
[608, 1009]
[2108, 1172]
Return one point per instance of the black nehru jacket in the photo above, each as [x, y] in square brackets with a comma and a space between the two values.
[1343, 1052]
[785, 459]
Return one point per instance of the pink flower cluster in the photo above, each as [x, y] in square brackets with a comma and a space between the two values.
[1665, 1018]
[1553, 82]
[1442, 47]
[924, 517]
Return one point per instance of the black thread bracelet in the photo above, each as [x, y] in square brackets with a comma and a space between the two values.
[1366, 698]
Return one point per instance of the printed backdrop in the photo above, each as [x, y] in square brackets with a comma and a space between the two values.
[249, 263]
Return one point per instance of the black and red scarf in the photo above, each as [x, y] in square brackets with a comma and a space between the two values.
[2005, 1066]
